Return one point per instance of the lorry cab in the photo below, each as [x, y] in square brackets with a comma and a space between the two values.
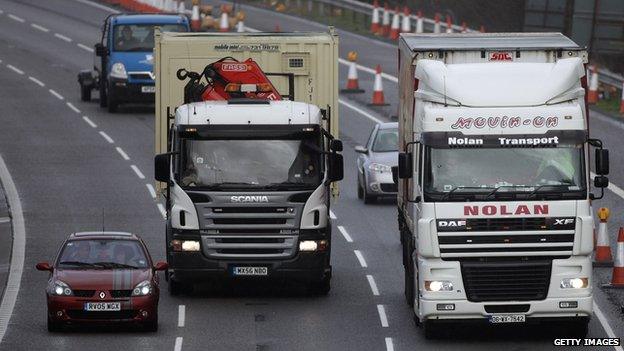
[123, 63]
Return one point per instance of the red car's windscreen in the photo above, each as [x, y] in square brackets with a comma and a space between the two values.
[102, 254]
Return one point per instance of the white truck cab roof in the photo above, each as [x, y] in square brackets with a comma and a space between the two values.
[246, 112]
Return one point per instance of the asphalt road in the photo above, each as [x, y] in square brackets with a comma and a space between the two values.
[74, 174]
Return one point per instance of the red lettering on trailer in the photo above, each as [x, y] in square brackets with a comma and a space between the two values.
[504, 210]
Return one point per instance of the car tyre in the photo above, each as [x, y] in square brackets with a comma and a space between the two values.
[368, 199]
[54, 326]
[320, 288]
[360, 191]
[85, 93]
[176, 288]
[151, 326]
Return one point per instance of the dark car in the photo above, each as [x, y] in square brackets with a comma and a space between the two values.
[102, 278]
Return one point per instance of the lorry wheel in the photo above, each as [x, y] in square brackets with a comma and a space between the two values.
[432, 330]
[320, 288]
[177, 288]
[53, 326]
[577, 329]
[85, 93]
[111, 103]
[409, 286]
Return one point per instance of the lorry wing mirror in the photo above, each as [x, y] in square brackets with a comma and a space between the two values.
[161, 168]
[336, 167]
[395, 174]
[361, 149]
[336, 145]
[100, 50]
[405, 165]
[602, 162]
[601, 181]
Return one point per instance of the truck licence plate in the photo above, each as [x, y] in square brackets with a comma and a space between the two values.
[148, 89]
[102, 306]
[250, 271]
[508, 318]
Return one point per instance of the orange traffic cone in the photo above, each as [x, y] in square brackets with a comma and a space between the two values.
[240, 26]
[602, 252]
[195, 20]
[449, 24]
[482, 29]
[385, 21]
[378, 94]
[420, 22]
[224, 22]
[353, 85]
[464, 28]
[181, 8]
[395, 28]
[592, 95]
[436, 24]
[375, 28]
[617, 279]
[406, 24]
[622, 102]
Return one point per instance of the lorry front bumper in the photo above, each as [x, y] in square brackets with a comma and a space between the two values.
[124, 91]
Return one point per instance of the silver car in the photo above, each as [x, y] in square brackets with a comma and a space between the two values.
[375, 161]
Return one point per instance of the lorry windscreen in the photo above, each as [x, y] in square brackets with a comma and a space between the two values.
[491, 173]
[250, 163]
[140, 37]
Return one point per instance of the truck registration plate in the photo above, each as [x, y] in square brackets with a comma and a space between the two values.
[102, 306]
[250, 271]
[508, 318]
[148, 89]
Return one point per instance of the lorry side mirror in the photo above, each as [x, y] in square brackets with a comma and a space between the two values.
[161, 168]
[601, 181]
[395, 174]
[100, 50]
[336, 167]
[405, 165]
[336, 145]
[602, 162]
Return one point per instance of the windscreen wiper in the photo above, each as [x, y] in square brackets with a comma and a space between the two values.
[537, 190]
[493, 192]
[448, 195]
[77, 263]
[287, 184]
[115, 265]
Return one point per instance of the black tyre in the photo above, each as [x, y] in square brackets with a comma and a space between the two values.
[368, 199]
[320, 288]
[111, 103]
[432, 330]
[103, 95]
[85, 93]
[577, 329]
[151, 326]
[360, 191]
[53, 326]
[176, 288]
[409, 285]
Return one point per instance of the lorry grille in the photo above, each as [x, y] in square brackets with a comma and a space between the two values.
[246, 246]
[484, 237]
[506, 281]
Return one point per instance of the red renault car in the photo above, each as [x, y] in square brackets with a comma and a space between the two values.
[102, 278]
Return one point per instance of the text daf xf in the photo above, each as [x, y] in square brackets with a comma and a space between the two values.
[494, 189]
[246, 128]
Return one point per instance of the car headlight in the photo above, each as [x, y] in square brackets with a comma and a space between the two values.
[144, 288]
[378, 167]
[61, 289]
[438, 285]
[574, 283]
[118, 70]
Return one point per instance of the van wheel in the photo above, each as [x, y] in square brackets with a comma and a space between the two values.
[85, 93]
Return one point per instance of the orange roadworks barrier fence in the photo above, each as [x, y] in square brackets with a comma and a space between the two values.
[602, 253]
[353, 85]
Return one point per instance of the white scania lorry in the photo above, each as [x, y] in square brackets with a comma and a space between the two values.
[494, 179]
[247, 155]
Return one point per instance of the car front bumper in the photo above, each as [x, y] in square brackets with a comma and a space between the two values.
[71, 310]
[380, 183]
[123, 91]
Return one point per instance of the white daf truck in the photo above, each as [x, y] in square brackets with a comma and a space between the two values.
[494, 179]
[247, 174]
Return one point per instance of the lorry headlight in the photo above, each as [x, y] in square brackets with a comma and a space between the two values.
[380, 168]
[61, 289]
[144, 288]
[313, 245]
[185, 245]
[118, 70]
[574, 283]
[438, 285]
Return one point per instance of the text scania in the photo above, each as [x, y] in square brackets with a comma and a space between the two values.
[505, 122]
[247, 198]
[492, 210]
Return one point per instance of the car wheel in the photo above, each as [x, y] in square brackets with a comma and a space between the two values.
[151, 326]
[320, 288]
[360, 191]
[85, 93]
[103, 95]
[176, 288]
[111, 103]
[368, 199]
[53, 326]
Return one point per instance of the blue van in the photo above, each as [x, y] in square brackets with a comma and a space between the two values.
[123, 67]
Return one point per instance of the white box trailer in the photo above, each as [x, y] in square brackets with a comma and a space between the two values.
[494, 195]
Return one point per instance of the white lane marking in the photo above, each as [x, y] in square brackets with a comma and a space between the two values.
[99, 6]
[58, 96]
[605, 324]
[360, 258]
[162, 210]
[389, 344]
[89, 121]
[83, 46]
[151, 190]
[360, 111]
[17, 252]
[1, 12]
[15, 69]
[181, 315]
[19, 19]
[105, 136]
[74, 108]
[382, 315]
[36, 81]
[122, 153]
[4, 219]
[344, 233]
[373, 285]
[137, 171]
[332, 215]
[178, 344]
[369, 70]
[41, 28]
[62, 37]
